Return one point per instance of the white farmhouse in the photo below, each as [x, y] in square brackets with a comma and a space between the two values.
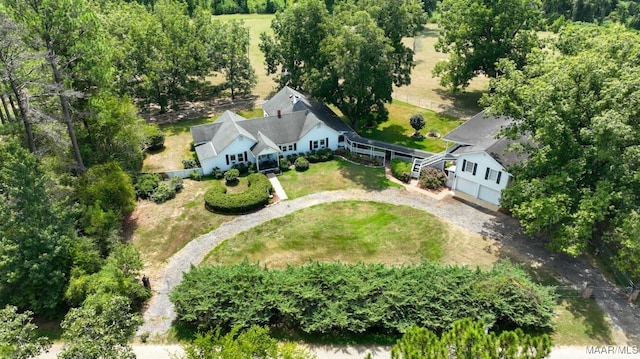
[292, 123]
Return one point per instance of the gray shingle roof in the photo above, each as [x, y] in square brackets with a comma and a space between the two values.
[263, 143]
[478, 134]
[480, 130]
[289, 100]
[222, 132]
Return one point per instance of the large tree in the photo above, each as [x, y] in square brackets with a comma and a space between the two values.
[34, 236]
[350, 58]
[477, 33]
[580, 105]
[18, 336]
[100, 331]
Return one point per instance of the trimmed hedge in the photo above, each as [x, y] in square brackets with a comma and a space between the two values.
[342, 298]
[401, 169]
[255, 197]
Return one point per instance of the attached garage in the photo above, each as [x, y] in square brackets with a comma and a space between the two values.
[466, 186]
[489, 195]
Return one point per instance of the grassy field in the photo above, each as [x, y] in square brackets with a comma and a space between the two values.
[398, 130]
[366, 231]
[333, 175]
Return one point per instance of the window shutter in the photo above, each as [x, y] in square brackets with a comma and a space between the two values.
[464, 165]
[326, 142]
[486, 174]
[475, 167]
[295, 146]
[245, 156]
[227, 158]
[499, 175]
[310, 145]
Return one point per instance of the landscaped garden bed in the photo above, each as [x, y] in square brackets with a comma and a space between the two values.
[255, 197]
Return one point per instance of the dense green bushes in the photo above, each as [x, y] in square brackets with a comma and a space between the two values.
[301, 164]
[256, 196]
[401, 169]
[432, 178]
[339, 298]
[150, 186]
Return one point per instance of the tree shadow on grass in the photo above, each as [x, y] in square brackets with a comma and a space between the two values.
[559, 269]
[370, 179]
[463, 103]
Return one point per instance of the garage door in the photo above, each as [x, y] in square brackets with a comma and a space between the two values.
[489, 195]
[466, 186]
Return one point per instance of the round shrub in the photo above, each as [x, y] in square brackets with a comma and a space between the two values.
[146, 184]
[285, 164]
[217, 173]
[301, 164]
[195, 175]
[164, 192]
[432, 178]
[177, 183]
[255, 197]
[231, 176]
[189, 163]
[153, 138]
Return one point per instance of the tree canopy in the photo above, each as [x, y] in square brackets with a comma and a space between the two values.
[579, 103]
[477, 33]
[350, 57]
[470, 339]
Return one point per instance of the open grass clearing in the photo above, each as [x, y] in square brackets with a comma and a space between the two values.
[354, 231]
[397, 129]
[333, 175]
[160, 230]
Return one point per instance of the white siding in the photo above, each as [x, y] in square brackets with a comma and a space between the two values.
[478, 185]
[240, 145]
[317, 134]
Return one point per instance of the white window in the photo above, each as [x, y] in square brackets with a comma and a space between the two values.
[290, 147]
[469, 166]
[322, 143]
[315, 145]
[232, 157]
[240, 157]
[493, 175]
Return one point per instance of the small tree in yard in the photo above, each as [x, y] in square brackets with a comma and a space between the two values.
[417, 122]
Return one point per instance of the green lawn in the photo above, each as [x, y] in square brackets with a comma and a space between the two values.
[344, 231]
[581, 322]
[333, 175]
[398, 130]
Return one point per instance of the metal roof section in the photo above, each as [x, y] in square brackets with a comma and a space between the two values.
[480, 130]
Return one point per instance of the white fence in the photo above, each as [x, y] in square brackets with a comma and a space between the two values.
[183, 173]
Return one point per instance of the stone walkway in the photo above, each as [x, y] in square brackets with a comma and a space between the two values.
[277, 187]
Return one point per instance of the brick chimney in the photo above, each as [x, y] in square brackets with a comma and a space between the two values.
[279, 114]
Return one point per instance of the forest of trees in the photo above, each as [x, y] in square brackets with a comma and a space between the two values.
[75, 75]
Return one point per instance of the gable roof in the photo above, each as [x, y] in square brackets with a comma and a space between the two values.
[288, 100]
[478, 134]
[480, 130]
[222, 132]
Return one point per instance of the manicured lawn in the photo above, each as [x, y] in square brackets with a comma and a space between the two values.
[398, 130]
[343, 231]
[333, 175]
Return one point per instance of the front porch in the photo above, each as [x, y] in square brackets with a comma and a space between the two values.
[268, 162]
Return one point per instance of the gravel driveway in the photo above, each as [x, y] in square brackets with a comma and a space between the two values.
[577, 271]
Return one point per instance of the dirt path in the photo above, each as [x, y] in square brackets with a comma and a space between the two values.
[624, 316]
